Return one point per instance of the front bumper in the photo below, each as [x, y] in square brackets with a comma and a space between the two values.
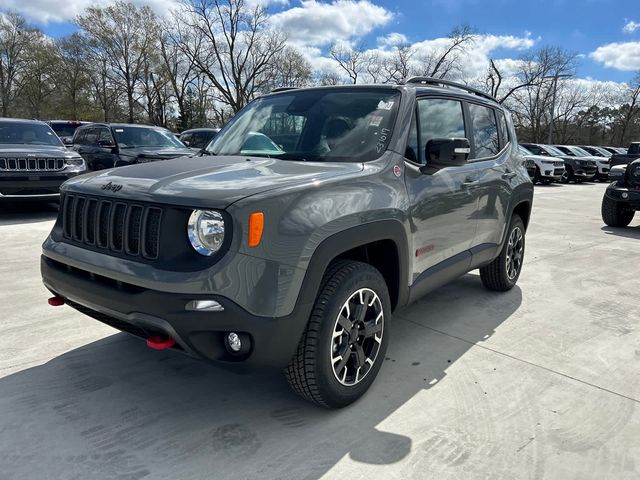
[144, 313]
[23, 185]
[586, 173]
[625, 195]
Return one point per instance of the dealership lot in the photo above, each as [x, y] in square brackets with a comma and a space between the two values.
[540, 382]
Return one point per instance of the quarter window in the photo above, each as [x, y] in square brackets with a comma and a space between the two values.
[439, 118]
[504, 131]
[485, 131]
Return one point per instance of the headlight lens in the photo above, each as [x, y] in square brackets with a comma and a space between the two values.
[206, 231]
[74, 162]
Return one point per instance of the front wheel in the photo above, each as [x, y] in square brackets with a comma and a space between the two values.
[616, 214]
[345, 341]
[503, 272]
[567, 175]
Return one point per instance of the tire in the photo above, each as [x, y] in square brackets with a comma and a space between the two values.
[316, 371]
[616, 214]
[537, 177]
[567, 176]
[503, 273]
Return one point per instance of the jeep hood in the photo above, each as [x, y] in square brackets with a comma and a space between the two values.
[212, 182]
[156, 153]
[30, 151]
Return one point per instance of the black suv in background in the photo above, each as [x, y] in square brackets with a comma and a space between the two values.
[108, 145]
[65, 129]
[198, 138]
[33, 160]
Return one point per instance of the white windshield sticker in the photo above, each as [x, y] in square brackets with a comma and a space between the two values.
[382, 105]
[119, 130]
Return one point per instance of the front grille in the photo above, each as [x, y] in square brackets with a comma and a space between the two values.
[113, 225]
[39, 164]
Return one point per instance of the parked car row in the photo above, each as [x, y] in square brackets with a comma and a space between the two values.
[37, 157]
[571, 163]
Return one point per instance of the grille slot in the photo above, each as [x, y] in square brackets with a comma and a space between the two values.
[120, 227]
[31, 164]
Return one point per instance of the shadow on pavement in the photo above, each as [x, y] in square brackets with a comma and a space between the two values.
[114, 409]
[14, 212]
[628, 232]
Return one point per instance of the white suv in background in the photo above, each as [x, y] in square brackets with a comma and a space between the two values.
[548, 169]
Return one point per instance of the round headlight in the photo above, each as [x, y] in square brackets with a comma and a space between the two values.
[206, 231]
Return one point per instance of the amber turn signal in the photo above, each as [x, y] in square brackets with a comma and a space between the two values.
[256, 225]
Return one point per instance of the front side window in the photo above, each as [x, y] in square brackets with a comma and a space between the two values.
[439, 118]
[200, 139]
[485, 131]
[24, 133]
[105, 137]
[92, 137]
[333, 125]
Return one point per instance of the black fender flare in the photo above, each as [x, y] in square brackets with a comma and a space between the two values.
[357, 236]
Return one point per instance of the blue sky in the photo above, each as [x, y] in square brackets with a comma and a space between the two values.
[579, 26]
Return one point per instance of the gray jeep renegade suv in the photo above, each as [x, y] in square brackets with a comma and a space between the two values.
[311, 217]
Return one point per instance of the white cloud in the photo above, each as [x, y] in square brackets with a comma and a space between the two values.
[392, 40]
[47, 11]
[316, 23]
[631, 26]
[621, 56]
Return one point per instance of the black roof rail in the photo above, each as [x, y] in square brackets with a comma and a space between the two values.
[447, 83]
[282, 89]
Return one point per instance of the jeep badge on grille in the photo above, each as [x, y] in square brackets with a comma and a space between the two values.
[114, 187]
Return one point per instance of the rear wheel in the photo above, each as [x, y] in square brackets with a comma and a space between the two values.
[346, 338]
[616, 214]
[503, 272]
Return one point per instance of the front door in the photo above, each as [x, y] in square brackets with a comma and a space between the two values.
[443, 204]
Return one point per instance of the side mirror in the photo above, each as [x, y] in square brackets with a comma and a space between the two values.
[445, 152]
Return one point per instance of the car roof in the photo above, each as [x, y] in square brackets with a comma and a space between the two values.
[22, 120]
[201, 129]
[432, 87]
[117, 125]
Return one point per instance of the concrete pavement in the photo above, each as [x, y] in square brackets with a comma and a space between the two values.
[542, 382]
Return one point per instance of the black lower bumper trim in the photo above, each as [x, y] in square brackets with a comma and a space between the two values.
[144, 313]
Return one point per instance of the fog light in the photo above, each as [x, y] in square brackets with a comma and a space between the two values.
[233, 340]
[625, 195]
[204, 306]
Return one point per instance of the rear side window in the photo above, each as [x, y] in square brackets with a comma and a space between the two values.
[504, 130]
[485, 131]
[92, 137]
[439, 118]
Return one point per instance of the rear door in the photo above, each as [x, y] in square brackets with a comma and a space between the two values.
[489, 155]
[443, 204]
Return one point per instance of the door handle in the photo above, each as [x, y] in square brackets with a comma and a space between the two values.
[469, 183]
[508, 175]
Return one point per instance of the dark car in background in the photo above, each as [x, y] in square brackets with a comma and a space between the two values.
[33, 160]
[108, 145]
[632, 153]
[65, 129]
[602, 163]
[576, 169]
[198, 138]
[596, 151]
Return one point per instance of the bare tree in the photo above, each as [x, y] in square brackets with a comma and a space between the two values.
[38, 82]
[631, 107]
[122, 35]
[72, 75]
[289, 69]
[445, 62]
[16, 39]
[231, 45]
[352, 60]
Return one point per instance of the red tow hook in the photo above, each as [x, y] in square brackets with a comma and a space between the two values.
[158, 343]
[56, 301]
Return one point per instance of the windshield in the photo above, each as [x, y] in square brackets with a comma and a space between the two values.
[524, 151]
[64, 129]
[135, 137]
[602, 151]
[553, 151]
[27, 134]
[333, 125]
[579, 152]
